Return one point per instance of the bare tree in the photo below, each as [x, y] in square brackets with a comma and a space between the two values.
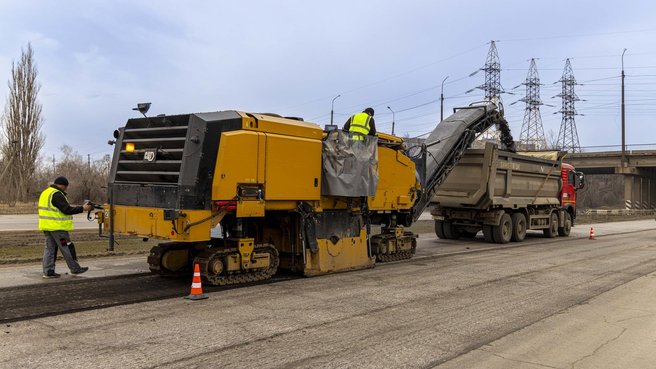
[88, 179]
[551, 139]
[21, 121]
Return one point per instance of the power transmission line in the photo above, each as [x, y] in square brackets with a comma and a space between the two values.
[492, 87]
[532, 134]
[568, 137]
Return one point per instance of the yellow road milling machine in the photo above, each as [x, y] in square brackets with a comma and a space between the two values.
[244, 194]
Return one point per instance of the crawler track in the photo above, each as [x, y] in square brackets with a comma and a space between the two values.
[403, 255]
[237, 278]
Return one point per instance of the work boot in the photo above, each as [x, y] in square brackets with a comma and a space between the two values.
[81, 270]
[51, 274]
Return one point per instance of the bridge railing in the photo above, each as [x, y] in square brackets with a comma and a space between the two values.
[618, 148]
[616, 212]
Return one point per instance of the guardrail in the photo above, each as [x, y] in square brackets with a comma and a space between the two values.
[617, 211]
[629, 148]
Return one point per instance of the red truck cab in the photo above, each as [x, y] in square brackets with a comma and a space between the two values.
[572, 182]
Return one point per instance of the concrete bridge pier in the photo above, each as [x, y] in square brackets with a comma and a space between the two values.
[613, 176]
[639, 189]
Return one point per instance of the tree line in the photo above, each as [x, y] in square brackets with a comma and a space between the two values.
[87, 178]
[24, 172]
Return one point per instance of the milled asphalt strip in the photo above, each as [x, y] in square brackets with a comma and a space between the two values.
[170, 287]
[510, 245]
[97, 293]
[281, 336]
[599, 292]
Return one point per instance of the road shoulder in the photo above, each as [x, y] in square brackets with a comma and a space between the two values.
[616, 329]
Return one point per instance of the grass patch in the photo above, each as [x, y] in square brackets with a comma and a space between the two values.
[34, 252]
[19, 208]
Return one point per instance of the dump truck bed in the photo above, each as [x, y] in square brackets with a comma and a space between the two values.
[489, 177]
[447, 143]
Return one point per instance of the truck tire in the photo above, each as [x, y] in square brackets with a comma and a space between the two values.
[439, 231]
[519, 227]
[564, 231]
[487, 233]
[503, 232]
[552, 231]
[450, 231]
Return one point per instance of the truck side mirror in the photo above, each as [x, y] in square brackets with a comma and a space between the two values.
[581, 180]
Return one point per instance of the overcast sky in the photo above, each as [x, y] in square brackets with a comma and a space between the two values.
[97, 59]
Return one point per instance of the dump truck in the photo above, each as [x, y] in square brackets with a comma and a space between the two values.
[505, 194]
[244, 194]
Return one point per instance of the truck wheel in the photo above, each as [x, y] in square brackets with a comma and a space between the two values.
[487, 233]
[552, 231]
[450, 231]
[519, 227]
[564, 231]
[503, 232]
[439, 231]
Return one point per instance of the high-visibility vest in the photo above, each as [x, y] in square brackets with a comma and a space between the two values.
[360, 125]
[51, 218]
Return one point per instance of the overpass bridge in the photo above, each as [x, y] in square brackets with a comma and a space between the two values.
[631, 185]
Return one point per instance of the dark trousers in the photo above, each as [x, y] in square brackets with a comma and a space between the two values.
[62, 241]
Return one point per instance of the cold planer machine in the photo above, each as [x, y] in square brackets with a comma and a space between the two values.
[244, 194]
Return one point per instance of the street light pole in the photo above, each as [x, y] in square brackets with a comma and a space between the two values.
[332, 106]
[392, 119]
[623, 126]
[442, 100]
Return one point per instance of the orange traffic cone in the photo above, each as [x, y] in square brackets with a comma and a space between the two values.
[592, 233]
[196, 287]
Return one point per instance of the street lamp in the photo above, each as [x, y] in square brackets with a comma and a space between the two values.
[623, 127]
[332, 106]
[390, 109]
[142, 108]
[442, 100]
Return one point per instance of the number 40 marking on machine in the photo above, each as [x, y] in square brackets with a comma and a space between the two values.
[150, 155]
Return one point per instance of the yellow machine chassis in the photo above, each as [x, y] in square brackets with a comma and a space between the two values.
[149, 222]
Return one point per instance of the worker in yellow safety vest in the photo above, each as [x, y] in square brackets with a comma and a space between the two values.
[56, 220]
[361, 124]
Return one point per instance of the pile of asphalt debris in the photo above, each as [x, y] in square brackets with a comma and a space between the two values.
[505, 136]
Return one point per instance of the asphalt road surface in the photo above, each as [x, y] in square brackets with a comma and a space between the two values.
[29, 222]
[434, 310]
